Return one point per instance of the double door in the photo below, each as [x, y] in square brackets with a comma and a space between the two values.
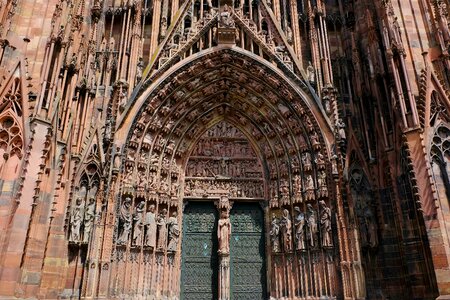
[200, 268]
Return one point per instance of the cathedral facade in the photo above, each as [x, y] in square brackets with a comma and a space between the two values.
[219, 149]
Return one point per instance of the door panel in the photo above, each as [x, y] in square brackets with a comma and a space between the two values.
[199, 272]
[247, 257]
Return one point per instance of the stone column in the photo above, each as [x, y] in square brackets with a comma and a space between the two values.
[224, 276]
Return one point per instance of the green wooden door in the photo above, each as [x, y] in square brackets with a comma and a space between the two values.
[199, 272]
[247, 256]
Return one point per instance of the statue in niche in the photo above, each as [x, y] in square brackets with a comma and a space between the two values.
[225, 17]
[76, 217]
[289, 35]
[286, 231]
[340, 127]
[150, 224]
[162, 230]
[89, 215]
[117, 159]
[275, 234]
[139, 69]
[224, 232]
[299, 229]
[325, 224]
[138, 223]
[311, 221]
[174, 233]
[370, 230]
[125, 219]
[311, 73]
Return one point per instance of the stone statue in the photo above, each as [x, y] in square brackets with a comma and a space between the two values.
[372, 234]
[299, 229]
[117, 159]
[138, 224]
[340, 127]
[310, 73]
[309, 188]
[125, 219]
[174, 233]
[139, 69]
[162, 230]
[89, 215]
[286, 231]
[150, 224]
[275, 234]
[76, 217]
[325, 224]
[311, 221]
[224, 232]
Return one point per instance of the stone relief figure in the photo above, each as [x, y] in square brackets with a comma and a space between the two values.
[311, 221]
[299, 229]
[138, 219]
[150, 224]
[224, 232]
[286, 231]
[325, 224]
[162, 230]
[275, 234]
[125, 219]
[76, 218]
[174, 233]
[89, 215]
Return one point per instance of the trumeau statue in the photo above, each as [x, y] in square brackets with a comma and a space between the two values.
[299, 229]
[174, 233]
[311, 221]
[275, 234]
[224, 232]
[138, 224]
[286, 231]
[76, 217]
[89, 215]
[125, 219]
[325, 224]
[150, 224]
[162, 230]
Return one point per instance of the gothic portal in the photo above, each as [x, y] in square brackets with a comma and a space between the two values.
[225, 150]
